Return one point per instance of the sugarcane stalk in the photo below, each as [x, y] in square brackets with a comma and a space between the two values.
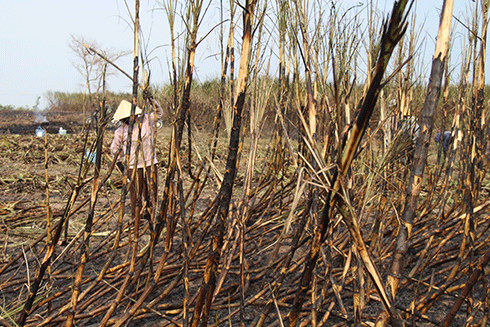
[129, 276]
[219, 111]
[182, 110]
[467, 288]
[34, 287]
[276, 285]
[392, 33]
[224, 197]
[93, 201]
[421, 147]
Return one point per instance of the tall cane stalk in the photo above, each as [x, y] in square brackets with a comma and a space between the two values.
[421, 147]
[393, 30]
[206, 291]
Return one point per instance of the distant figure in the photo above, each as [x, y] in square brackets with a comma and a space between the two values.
[444, 139]
[141, 191]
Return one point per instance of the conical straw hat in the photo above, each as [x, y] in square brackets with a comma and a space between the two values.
[124, 110]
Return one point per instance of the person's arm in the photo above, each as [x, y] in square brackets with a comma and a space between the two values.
[158, 109]
[117, 142]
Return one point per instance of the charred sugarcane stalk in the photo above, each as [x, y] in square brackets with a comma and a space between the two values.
[224, 197]
[421, 147]
[393, 30]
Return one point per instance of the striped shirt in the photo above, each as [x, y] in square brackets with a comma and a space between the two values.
[147, 151]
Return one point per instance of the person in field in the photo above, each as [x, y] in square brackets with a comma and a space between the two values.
[443, 139]
[144, 184]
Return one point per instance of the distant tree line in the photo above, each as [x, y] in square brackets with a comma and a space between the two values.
[204, 101]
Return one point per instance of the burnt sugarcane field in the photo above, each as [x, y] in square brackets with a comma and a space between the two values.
[328, 175]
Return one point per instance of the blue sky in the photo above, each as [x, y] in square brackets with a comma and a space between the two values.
[35, 36]
[35, 56]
